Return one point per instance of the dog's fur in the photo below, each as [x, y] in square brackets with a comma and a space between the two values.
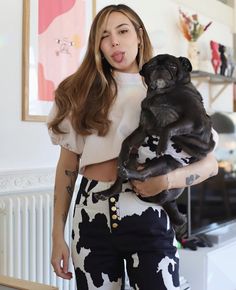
[172, 110]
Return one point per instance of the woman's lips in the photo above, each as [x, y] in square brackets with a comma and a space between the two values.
[118, 56]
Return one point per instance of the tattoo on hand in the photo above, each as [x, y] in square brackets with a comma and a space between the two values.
[72, 175]
[190, 179]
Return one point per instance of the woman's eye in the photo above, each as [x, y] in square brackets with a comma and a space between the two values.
[123, 31]
[104, 36]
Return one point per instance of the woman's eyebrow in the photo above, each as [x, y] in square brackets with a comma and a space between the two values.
[117, 27]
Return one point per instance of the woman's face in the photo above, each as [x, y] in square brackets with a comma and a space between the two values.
[119, 43]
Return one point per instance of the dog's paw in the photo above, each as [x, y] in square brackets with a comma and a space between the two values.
[160, 151]
[161, 147]
[123, 172]
[181, 231]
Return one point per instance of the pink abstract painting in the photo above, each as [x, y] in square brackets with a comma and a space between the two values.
[61, 36]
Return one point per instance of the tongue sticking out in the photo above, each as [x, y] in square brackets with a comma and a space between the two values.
[118, 57]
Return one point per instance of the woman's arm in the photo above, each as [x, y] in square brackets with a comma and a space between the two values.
[66, 175]
[178, 178]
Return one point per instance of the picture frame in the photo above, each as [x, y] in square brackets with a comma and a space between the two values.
[54, 41]
[234, 97]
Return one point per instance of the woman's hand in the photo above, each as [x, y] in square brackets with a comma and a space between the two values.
[150, 186]
[60, 259]
[178, 178]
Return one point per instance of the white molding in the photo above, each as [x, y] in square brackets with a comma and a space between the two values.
[28, 180]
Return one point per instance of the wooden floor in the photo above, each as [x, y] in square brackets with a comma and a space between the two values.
[9, 283]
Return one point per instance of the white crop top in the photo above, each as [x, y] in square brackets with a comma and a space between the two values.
[124, 116]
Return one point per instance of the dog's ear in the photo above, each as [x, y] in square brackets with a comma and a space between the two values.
[186, 64]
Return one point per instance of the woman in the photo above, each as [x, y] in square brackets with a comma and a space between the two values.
[95, 109]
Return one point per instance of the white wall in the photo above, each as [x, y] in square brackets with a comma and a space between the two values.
[161, 18]
[25, 145]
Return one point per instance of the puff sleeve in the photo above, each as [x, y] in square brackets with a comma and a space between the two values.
[70, 140]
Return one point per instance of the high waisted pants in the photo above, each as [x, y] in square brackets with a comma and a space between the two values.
[123, 228]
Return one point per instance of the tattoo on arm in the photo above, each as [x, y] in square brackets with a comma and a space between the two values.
[191, 178]
[72, 175]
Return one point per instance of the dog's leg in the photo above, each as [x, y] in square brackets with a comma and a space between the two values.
[116, 188]
[180, 127]
[132, 142]
[181, 231]
[166, 196]
[154, 167]
[175, 216]
[193, 145]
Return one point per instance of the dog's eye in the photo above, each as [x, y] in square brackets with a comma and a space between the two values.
[173, 66]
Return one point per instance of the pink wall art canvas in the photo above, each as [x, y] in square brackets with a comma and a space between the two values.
[55, 39]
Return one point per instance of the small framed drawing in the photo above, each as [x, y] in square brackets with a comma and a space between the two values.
[54, 41]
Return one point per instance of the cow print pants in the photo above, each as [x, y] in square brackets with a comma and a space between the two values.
[123, 228]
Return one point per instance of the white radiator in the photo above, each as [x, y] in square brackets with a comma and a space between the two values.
[25, 238]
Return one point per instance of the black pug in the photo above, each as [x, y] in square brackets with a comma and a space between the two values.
[172, 111]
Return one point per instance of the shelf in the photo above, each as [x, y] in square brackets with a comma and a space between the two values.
[212, 80]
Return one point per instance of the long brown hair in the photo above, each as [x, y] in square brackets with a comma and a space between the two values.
[87, 95]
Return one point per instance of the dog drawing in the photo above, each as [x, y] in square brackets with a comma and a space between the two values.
[173, 125]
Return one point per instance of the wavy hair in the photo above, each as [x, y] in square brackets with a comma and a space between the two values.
[87, 95]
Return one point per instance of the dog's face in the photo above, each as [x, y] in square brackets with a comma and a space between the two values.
[164, 71]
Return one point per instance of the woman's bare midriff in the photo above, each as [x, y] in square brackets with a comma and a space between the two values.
[104, 171]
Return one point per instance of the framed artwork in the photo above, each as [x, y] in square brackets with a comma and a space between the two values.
[55, 37]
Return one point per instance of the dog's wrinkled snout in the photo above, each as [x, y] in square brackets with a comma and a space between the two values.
[160, 83]
[157, 84]
[153, 85]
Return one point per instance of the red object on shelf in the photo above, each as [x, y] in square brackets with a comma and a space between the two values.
[215, 56]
